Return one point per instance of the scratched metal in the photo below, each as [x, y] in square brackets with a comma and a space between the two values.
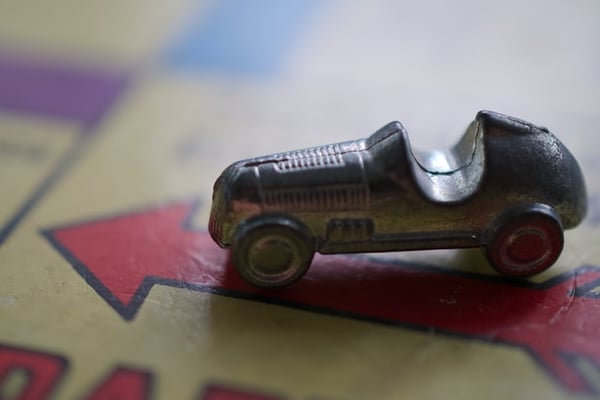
[508, 186]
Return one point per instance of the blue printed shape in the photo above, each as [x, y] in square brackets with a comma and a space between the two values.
[241, 37]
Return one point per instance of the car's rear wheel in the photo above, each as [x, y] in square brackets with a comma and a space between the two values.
[272, 253]
[525, 241]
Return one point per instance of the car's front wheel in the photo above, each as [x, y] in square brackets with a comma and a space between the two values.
[272, 253]
[525, 241]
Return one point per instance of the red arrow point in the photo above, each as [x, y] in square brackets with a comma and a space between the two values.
[123, 256]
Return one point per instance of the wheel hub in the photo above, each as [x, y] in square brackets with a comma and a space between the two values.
[526, 245]
[272, 255]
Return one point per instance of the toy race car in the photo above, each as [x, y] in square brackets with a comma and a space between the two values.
[508, 186]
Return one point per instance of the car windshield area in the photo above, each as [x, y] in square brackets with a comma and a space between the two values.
[455, 174]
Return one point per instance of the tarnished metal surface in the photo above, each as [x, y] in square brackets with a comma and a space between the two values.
[377, 194]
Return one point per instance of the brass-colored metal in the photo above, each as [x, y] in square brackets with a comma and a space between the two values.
[377, 194]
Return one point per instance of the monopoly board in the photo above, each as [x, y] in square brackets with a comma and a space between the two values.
[117, 117]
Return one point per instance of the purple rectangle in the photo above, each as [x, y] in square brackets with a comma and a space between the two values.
[75, 93]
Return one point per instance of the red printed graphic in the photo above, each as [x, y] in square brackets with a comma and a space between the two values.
[219, 392]
[124, 384]
[43, 372]
[556, 321]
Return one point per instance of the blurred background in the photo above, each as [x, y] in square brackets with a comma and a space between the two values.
[306, 66]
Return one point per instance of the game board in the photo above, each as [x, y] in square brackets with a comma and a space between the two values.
[115, 120]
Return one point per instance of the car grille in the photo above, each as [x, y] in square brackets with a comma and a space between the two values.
[316, 157]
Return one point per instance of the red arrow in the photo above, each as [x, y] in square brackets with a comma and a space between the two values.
[556, 321]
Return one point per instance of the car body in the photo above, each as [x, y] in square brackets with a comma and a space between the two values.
[508, 186]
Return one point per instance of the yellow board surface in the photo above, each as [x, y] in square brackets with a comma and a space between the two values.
[117, 117]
